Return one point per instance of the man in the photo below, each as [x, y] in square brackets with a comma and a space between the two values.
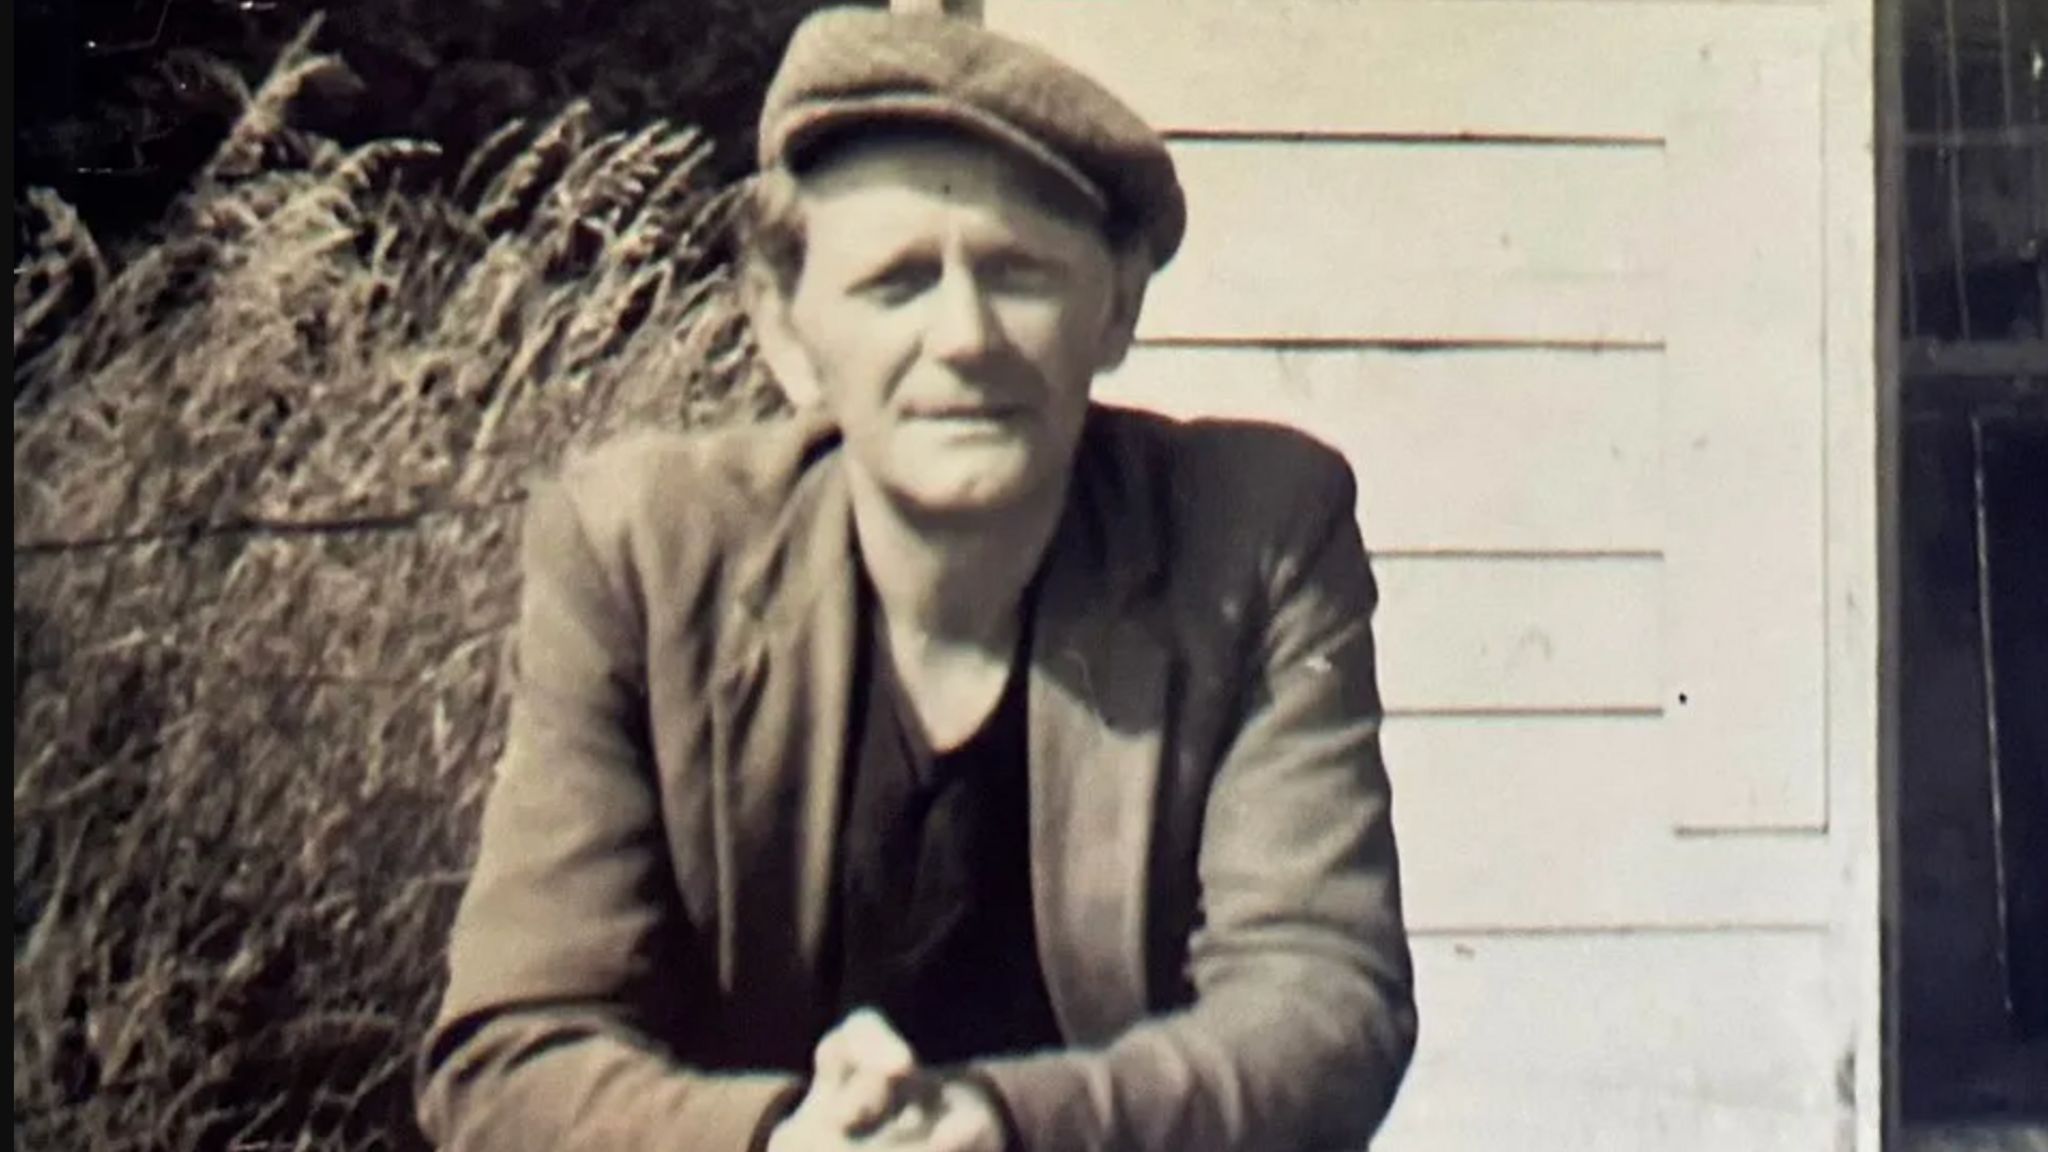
[958, 765]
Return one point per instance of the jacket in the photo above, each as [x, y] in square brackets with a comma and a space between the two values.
[1214, 875]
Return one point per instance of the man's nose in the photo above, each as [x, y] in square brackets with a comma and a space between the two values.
[962, 327]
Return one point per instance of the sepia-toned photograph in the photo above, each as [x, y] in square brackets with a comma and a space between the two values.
[1030, 575]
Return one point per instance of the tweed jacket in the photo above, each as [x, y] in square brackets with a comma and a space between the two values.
[635, 963]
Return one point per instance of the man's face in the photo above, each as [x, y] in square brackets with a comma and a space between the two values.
[953, 317]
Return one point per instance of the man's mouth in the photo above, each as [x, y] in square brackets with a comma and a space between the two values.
[969, 413]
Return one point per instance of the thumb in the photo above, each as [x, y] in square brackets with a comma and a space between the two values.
[865, 1043]
[873, 1046]
[864, 1074]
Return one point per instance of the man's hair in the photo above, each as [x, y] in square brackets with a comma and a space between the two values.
[771, 228]
[772, 233]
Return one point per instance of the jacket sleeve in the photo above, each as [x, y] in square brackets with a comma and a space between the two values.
[1303, 1019]
[563, 959]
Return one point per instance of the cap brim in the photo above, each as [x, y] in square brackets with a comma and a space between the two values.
[803, 128]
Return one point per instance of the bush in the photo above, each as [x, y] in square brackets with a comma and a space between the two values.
[267, 483]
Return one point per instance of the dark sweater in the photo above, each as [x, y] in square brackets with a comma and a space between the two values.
[934, 922]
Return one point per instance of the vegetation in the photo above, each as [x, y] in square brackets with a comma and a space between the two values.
[122, 101]
[268, 473]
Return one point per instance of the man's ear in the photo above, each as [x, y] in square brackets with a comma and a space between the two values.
[767, 307]
[1131, 272]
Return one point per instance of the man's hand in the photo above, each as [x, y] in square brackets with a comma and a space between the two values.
[965, 1119]
[868, 1092]
[863, 1075]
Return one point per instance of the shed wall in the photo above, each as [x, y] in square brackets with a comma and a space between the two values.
[1582, 289]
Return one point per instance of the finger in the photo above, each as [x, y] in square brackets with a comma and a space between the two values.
[965, 1120]
[872, 1044]
[864, 1074]
[859, 1103]
[865, 1039]
[953, 1131]
[829, 1060]
[906, 1127]
[805, 1133]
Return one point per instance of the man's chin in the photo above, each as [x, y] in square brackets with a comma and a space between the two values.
[968, 503]
[980, 493]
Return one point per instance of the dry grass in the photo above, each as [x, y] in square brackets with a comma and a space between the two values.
[267, 481]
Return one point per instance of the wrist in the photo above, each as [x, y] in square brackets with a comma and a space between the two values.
[977, 1082]
[779, 1110]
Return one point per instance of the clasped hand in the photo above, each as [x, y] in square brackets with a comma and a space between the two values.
[867, 1091]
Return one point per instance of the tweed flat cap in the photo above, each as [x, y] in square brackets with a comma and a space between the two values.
[848, 66]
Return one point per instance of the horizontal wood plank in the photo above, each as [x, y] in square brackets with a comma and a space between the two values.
[1566, 822]
[1518, 634]
[1510, 450]
[1427, 241]
[1487, 66]
[1693, 1042]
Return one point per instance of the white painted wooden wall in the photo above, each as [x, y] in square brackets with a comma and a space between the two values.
[1582, 288]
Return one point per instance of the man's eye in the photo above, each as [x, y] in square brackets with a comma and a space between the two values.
[898, 284]
[1022, 276]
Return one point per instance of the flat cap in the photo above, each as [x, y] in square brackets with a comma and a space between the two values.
[848, 66]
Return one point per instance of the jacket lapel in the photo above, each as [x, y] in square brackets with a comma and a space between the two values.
[1098, 695]
[781, 704]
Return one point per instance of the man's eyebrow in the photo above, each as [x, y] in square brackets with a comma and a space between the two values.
[1014, 252]
[879, 254]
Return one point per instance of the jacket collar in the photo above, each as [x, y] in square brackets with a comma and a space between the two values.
[797, 566]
